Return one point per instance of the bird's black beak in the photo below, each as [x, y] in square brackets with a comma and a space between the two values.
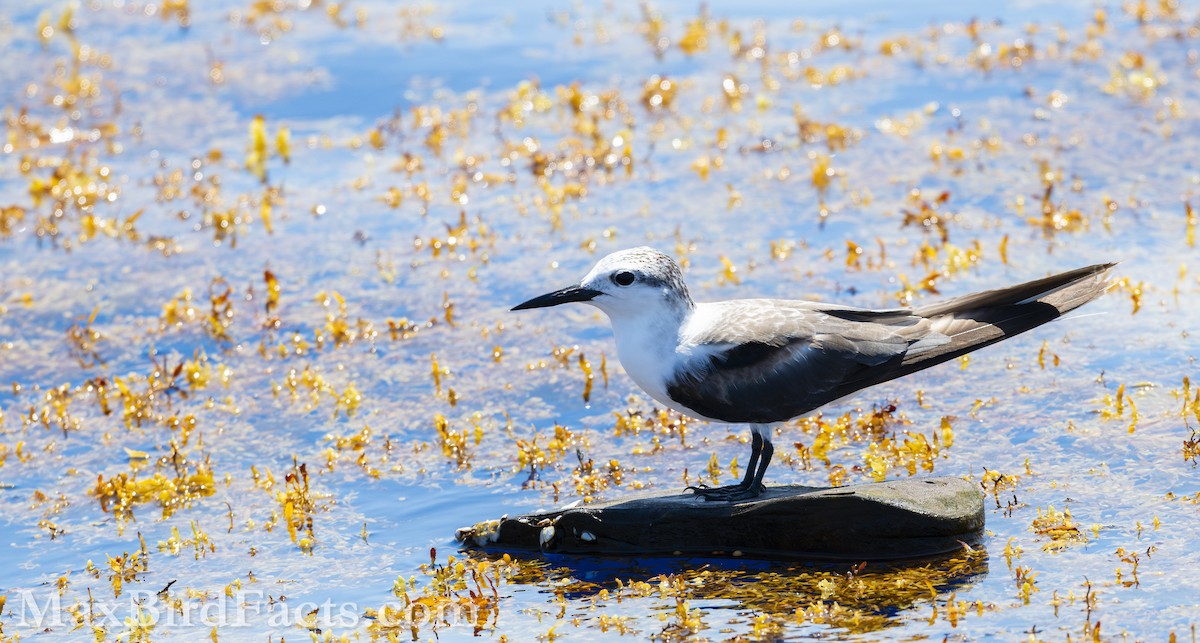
[564, 296]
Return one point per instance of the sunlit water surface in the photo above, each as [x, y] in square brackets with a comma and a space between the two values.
[203, 304]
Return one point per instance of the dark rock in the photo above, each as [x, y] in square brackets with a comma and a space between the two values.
[882, 521]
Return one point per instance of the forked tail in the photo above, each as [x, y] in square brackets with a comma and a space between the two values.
[984, 318]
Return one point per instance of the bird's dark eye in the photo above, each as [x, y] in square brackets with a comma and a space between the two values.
[623, 278]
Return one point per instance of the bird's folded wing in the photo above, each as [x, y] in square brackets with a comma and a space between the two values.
[768, 361]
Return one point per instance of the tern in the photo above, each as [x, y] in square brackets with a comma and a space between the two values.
[765, 361]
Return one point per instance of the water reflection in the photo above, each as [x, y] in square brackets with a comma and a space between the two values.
[861, 597]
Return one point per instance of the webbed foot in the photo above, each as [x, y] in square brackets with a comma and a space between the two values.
[729, 493]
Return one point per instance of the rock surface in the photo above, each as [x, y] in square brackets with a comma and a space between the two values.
[882, 521]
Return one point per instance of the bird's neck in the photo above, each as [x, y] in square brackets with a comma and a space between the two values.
[647, 342]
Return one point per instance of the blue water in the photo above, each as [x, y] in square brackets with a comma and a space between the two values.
[333, 232]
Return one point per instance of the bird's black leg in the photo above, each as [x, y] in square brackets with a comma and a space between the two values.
[756, 445]
[751, 484]
[768, 450]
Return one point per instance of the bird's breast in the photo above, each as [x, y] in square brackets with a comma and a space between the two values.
[654, 365]
[647, 365]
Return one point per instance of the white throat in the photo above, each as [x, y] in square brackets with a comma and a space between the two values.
[648, 346]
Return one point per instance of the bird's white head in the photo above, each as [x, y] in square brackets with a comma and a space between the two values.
[627, 283]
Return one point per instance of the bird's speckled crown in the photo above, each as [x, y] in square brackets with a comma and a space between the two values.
[653, 268]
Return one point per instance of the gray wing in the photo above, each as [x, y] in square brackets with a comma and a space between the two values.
[769, 361]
